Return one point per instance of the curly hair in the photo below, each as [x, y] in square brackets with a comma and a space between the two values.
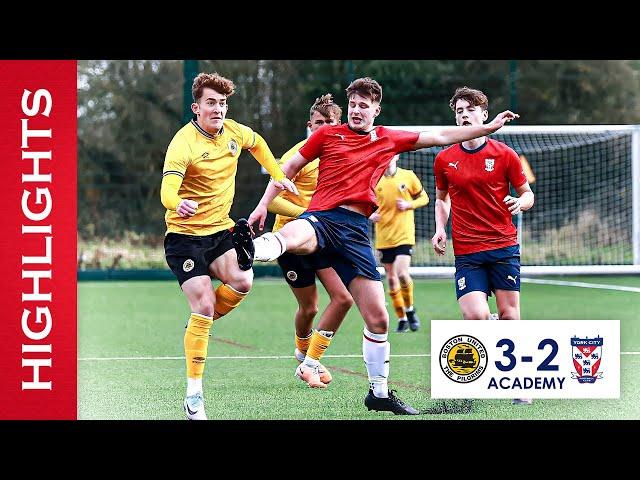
[326, 107]
[211, 80]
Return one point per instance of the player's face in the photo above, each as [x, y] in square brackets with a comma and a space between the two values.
[362, 112]
[211, 110]
[467, 114]
[317, 120]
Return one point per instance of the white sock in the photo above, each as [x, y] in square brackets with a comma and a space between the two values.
[408, 309]
[269, 246]
[194, 385]
[375, 351]
[310, 362]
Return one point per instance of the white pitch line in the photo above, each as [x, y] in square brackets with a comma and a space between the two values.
[565, 283]
[262, 357]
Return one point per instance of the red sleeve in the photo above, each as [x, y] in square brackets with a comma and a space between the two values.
[404, 141]
[515, 172]
[438, 171]
[311, 150]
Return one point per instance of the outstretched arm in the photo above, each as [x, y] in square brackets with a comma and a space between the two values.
[293, 166]
[443, 207]
[449, 136]
[263, 155]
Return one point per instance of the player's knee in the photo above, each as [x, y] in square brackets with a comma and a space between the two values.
[308, 311]
[344, 301]
[509, 313]
[476, 314]
[242, 283]
[203, 304]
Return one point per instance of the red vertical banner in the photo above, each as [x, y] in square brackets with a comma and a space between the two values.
[38, 327]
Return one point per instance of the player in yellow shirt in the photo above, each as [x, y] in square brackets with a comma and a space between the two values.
[198, 185]
[300, 270]
[399, 192]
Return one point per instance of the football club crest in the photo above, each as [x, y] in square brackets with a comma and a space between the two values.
[188, 265]
[586, 356]
[233, 146]
[374, 136]
[488, 164]
[402, 187]
[463, 358]
[462, 283]
[291, 275]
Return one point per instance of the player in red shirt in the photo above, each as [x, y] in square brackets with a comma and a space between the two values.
[353, 157]
[472, 182]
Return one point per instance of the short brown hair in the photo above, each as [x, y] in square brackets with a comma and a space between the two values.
[325, 106]
[475, 98]
[211, 80]
[367, 87]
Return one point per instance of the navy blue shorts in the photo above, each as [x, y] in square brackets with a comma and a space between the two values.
[488, 271]
[300, 270]
[344, 242]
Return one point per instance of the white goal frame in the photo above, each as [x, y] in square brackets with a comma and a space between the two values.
[529, 271]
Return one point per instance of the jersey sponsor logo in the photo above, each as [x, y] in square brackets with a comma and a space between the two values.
[454, 165]
[233, 146]
[488, 164]
[291, 275]
[462, 283]
[374, 136]
[188, 265]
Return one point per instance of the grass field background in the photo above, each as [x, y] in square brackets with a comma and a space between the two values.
[131, 363]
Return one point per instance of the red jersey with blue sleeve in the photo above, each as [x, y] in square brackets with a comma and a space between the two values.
[351, 163]
[477, 181]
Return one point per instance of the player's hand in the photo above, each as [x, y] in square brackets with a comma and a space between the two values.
[439, 241]
[187, 208]
[258, 215]
[375, 217]
[513, 203]
[502, 118]
[403, 205]
[286, 184]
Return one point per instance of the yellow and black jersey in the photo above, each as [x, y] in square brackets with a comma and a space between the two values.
[305, 180]
[207, 165]
[397, 227]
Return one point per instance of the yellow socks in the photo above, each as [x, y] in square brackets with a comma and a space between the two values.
[227, 298]
[407, 293]
[318, 344]
[397, 302]
[302, 344]
[196, 340]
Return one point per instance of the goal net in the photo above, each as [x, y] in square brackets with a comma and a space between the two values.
[586, 218]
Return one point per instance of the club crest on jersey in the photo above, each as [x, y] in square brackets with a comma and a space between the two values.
[587, 355]
[402, 187]
[374, 136]
[233, 146]
[462, 283]
[488, 164]
[291, 275]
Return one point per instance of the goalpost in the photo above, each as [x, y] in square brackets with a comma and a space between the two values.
[586, 217]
